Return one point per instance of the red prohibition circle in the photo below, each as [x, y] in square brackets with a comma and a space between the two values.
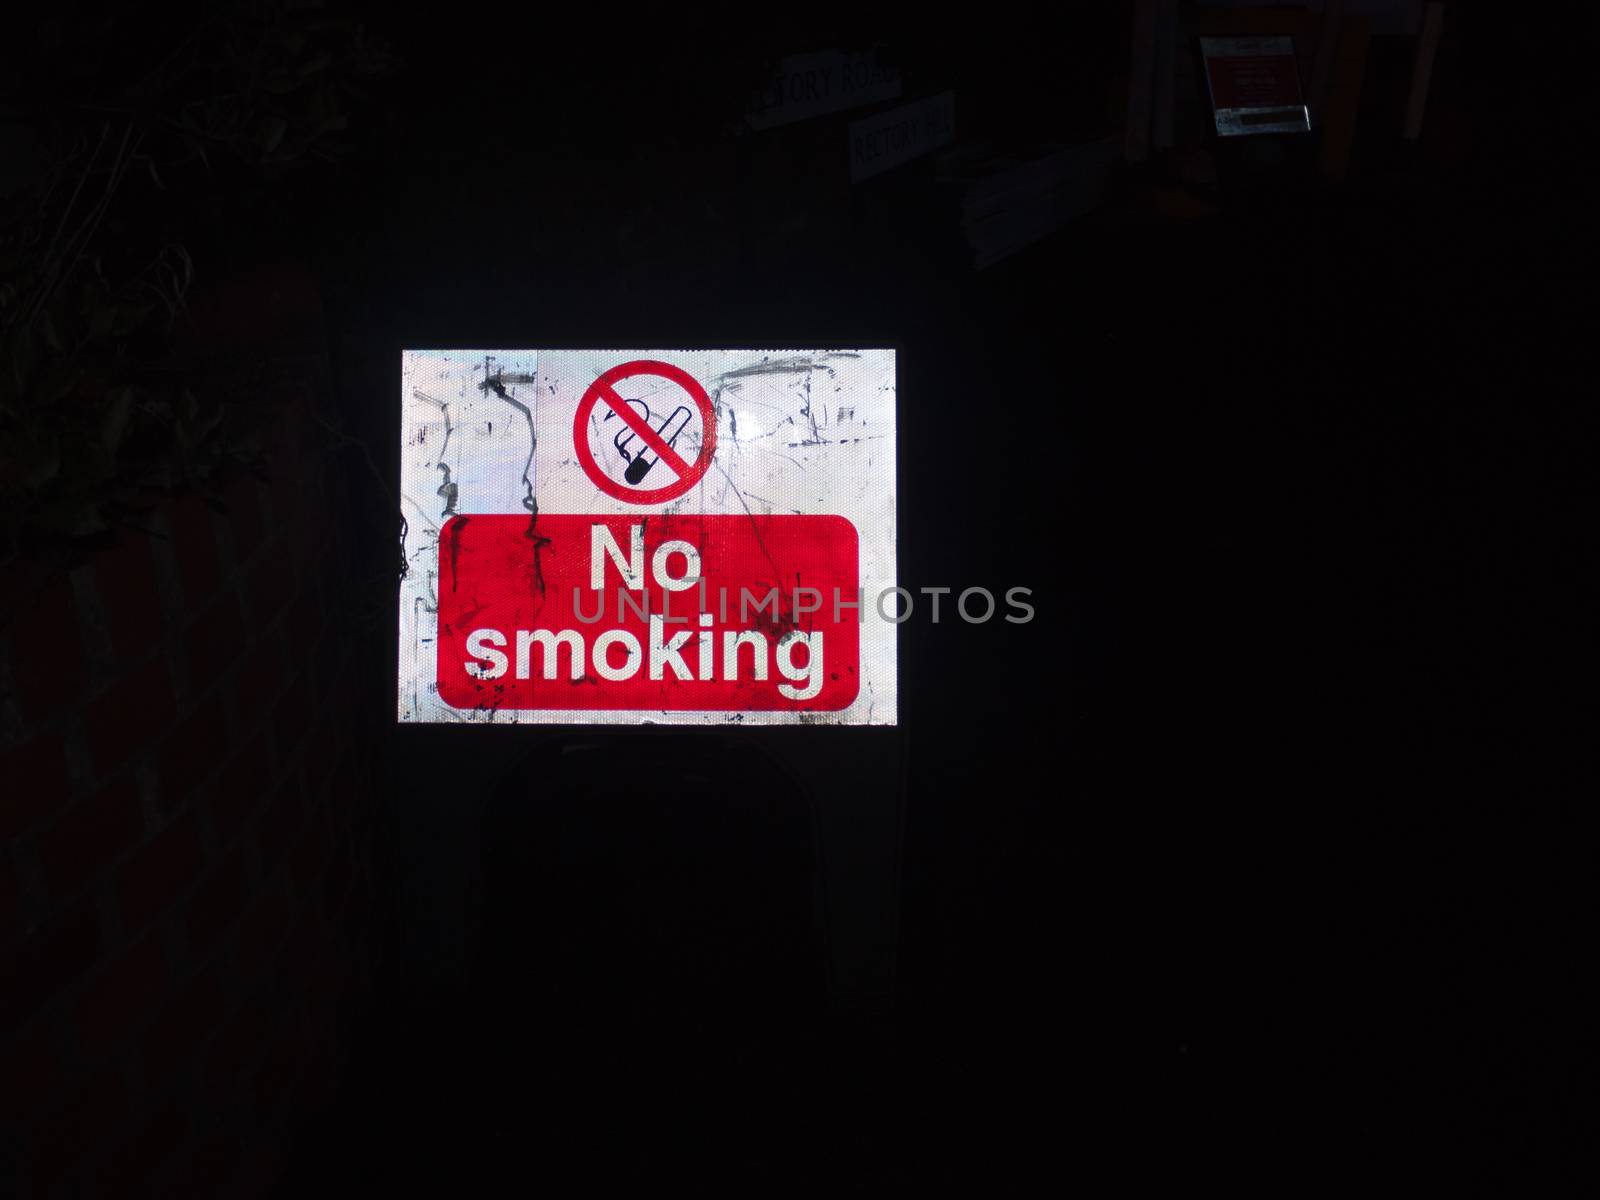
[600, 391]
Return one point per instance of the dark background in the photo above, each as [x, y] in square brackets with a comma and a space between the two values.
[1263, 854]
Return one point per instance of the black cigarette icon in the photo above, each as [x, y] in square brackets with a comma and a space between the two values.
[639, 463]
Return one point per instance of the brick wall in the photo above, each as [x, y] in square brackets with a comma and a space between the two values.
[186, 888]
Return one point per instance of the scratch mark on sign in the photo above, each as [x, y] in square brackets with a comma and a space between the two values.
[836, 442]
[755, 526]
[811, 417]
[423, 513]
[497, 384]
[444, 407]
[786, 458]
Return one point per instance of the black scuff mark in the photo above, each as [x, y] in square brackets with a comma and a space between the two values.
[456, 527]
[538, 539]
[780, 624]
[497, 383]
[802, 365]
[840, 442]
[444, 407]
[785, 366]
[448, 490]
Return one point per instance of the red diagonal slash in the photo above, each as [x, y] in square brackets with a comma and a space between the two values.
[646, 434]
[602, 389]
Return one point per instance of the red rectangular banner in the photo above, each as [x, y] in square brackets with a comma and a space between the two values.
[1253, 80]
[676, 612]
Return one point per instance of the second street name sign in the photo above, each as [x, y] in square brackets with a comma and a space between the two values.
[885, 140]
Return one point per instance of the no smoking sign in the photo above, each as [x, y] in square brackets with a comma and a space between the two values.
[654, 536]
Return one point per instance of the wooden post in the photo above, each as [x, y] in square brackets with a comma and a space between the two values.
[1344, 96]
[1422, 69]
[1141, 75]
[1322, 65]
[1164, 66]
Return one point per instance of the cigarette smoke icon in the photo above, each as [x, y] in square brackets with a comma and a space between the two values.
[640, 461]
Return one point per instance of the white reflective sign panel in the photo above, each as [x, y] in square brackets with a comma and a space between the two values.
[885, 140]
[648, 536]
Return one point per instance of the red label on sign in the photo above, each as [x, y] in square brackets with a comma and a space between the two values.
[680, 612]
[1253, 81]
